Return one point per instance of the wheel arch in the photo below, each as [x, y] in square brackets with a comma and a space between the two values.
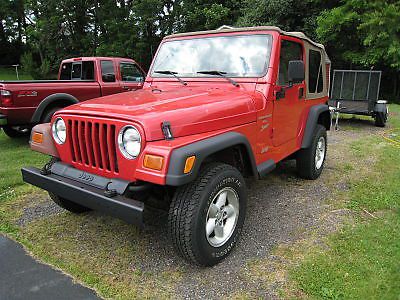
[54, 100]
[319, 114]
[221, 148]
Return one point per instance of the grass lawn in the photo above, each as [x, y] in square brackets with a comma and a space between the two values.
[112, 269]
[362, 260]
[9, 74]
[15, 153]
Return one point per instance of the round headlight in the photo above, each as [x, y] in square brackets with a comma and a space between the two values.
[129, 142]
[59, 131]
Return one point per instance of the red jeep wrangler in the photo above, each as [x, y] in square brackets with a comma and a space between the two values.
[23, 102]
[217, 107]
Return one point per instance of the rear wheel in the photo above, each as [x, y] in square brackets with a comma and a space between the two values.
[206, 216]
[310, 161]
[16, 131]
[380, 119]
[46, 118]
[68, 205]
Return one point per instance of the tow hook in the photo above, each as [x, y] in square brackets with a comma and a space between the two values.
[110, 193]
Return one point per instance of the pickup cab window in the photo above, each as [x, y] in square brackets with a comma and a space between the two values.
[77, 71]
[107, 71]
[130, 72]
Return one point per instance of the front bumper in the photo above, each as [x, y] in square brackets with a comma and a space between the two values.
[127, 209]
[3, 120]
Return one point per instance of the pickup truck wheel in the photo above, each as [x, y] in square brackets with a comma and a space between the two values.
[68, 205]
[310, 161]
[17, 131]
[46, 118]
[206, 216]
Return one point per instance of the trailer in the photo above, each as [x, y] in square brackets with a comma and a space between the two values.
[357, 92]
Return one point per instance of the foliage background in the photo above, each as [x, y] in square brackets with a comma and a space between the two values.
[358, 33]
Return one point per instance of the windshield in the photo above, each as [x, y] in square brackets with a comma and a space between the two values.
[236, 56]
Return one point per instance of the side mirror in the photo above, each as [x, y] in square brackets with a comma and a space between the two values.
[296, 71]
[109, 77]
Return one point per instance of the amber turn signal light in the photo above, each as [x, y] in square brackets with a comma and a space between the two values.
[189, 164]
[153, 162]
[37, 137]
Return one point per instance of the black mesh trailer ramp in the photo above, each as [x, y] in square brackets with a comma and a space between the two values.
[357, 92]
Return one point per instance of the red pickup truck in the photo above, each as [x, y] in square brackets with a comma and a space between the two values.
[23, 103]
[217, 107]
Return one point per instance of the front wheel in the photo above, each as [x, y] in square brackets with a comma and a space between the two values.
[310, 161]
[68, 205]
[206, 216]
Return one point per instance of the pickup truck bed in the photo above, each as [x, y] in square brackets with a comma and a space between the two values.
[27, 102]
[27, 95]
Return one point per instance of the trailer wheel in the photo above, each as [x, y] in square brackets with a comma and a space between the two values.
[68, 205]
[17, 131]
[380, 119]
[206, 216]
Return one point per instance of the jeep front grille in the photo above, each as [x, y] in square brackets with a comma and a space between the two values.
[93, 144]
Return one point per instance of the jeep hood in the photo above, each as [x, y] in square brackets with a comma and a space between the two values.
[188, 110]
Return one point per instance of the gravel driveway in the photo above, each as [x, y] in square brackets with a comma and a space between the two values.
[282, 209]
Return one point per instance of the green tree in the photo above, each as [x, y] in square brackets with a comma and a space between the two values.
[290, 15]
[365, 33]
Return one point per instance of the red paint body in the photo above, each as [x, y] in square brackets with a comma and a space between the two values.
[27, 95]
[205, 107]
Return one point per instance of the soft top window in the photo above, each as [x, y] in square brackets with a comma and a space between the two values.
[289, 51]
[315, 76]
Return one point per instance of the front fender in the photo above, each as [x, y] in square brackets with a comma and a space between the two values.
[46, 144]
[202, 149]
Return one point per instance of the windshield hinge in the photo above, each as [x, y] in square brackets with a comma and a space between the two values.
[166, 129]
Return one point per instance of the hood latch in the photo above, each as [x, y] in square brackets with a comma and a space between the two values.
[166, 129]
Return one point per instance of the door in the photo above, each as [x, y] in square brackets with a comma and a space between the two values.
[109, 84]
[289, 100]
[132, 77]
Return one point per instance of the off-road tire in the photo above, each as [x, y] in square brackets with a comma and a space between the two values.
[15, 133]
[305, 160]
[380, 119]
[46, 118]
[68, 205]
[189, 209]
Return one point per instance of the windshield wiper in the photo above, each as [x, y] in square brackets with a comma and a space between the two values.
[220, 73]
[167, 72]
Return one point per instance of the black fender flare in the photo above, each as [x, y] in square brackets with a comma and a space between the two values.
[62, 98]
[202, 149]
[381, 108]
[312, 121]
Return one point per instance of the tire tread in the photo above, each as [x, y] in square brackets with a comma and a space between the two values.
[183, 207]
